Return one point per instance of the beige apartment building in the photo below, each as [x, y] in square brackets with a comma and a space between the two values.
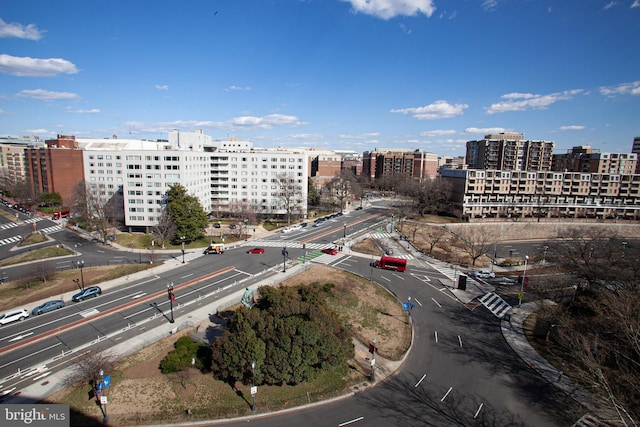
[484, 194]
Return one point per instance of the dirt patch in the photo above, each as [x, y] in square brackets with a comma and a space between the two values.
[367, 246]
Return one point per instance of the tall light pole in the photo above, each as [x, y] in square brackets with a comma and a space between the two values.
[524, 278]
[344, 234]
[182, 238]
[172, 298]
[253, 386]
[80, 266]
[544, 255]
[284, 259]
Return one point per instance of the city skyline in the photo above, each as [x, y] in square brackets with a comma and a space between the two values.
[332, 74]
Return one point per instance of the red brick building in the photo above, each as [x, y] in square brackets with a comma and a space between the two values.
[58, 167]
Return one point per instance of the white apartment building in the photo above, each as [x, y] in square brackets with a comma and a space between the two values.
[254, 177]
[217, 173]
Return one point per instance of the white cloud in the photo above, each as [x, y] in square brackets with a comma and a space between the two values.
[38, 132]
[632, 88]
[33, 67]
[387, 9]
[527, 101]
[572, 127]
[439, 132]
[242, 123]
[366, 135]
[490, 4]
[610, 5]
[234, 88]
[438, 110]
[485, 131]
[19, 31]
[636, 3]
[162, 87]
[46, 95]
[91, 111]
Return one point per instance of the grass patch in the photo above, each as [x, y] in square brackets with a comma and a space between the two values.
[33, 239]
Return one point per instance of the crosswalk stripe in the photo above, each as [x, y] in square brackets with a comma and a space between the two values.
[495, 304]
[8, 225]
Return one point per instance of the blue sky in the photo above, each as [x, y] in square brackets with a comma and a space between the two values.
[336, 74]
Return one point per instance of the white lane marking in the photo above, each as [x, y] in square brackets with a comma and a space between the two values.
[90, 312]
[437, 303]
[385, 279]
[478, 411]
[418, 301]
[421, 379]
[140, 295]
[188, 275]
[460, 340]
[446, 394]
[355, 420]
[19, 337]
[435, 334]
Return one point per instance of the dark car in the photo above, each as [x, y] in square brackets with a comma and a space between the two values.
[216, 225]
[330, 251]
[47, 307]
[256, 251]
[91, 291]
[303, 225]
[232, 226]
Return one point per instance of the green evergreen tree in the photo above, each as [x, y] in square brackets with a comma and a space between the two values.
[187, 214]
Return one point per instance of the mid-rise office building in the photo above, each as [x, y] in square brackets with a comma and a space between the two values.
[399, 164]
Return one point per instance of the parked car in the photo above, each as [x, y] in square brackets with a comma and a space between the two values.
[233, 226]
[256, 251]
[483, 274]
[330, 251]
[13, 315]
[91, 291]
[48, 306]
[318, 224]
[303, 225]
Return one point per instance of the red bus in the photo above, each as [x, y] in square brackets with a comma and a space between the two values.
[391, 263]
[66, 213]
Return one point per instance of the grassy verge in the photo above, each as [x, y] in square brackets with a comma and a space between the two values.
[37, 254]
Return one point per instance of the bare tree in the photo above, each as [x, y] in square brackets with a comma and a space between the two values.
[289, 194]
[340, 188]
[165, 229]
[476, 241]
[434, 235]
[97, 209]
[87, 366]
[430, 195]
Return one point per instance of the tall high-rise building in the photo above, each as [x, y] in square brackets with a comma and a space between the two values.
[509, 151]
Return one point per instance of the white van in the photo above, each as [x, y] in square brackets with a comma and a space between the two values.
[13, 315]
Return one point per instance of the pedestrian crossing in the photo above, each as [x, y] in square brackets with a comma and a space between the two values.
[495, 304]
[8, 225]
[46, 230]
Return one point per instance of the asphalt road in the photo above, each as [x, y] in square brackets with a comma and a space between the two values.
[460, 371]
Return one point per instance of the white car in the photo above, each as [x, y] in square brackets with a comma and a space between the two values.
[13, 315]
[484, 274]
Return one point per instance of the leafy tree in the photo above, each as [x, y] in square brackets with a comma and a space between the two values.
[187, 213]
[291, 334]
[187, 353]
[313, 198]
[50, 199]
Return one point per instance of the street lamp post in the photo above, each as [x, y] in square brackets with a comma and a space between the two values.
[544, 255]
[80, 266]
[344, 234]
[373, 351]
[105, 417]
[182, 238]
[524, 278]
[172, 298]
[253, 386]
[284, 259]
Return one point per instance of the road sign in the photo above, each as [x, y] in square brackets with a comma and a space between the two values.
[254, 390]
[106, 381]
[104, 400]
